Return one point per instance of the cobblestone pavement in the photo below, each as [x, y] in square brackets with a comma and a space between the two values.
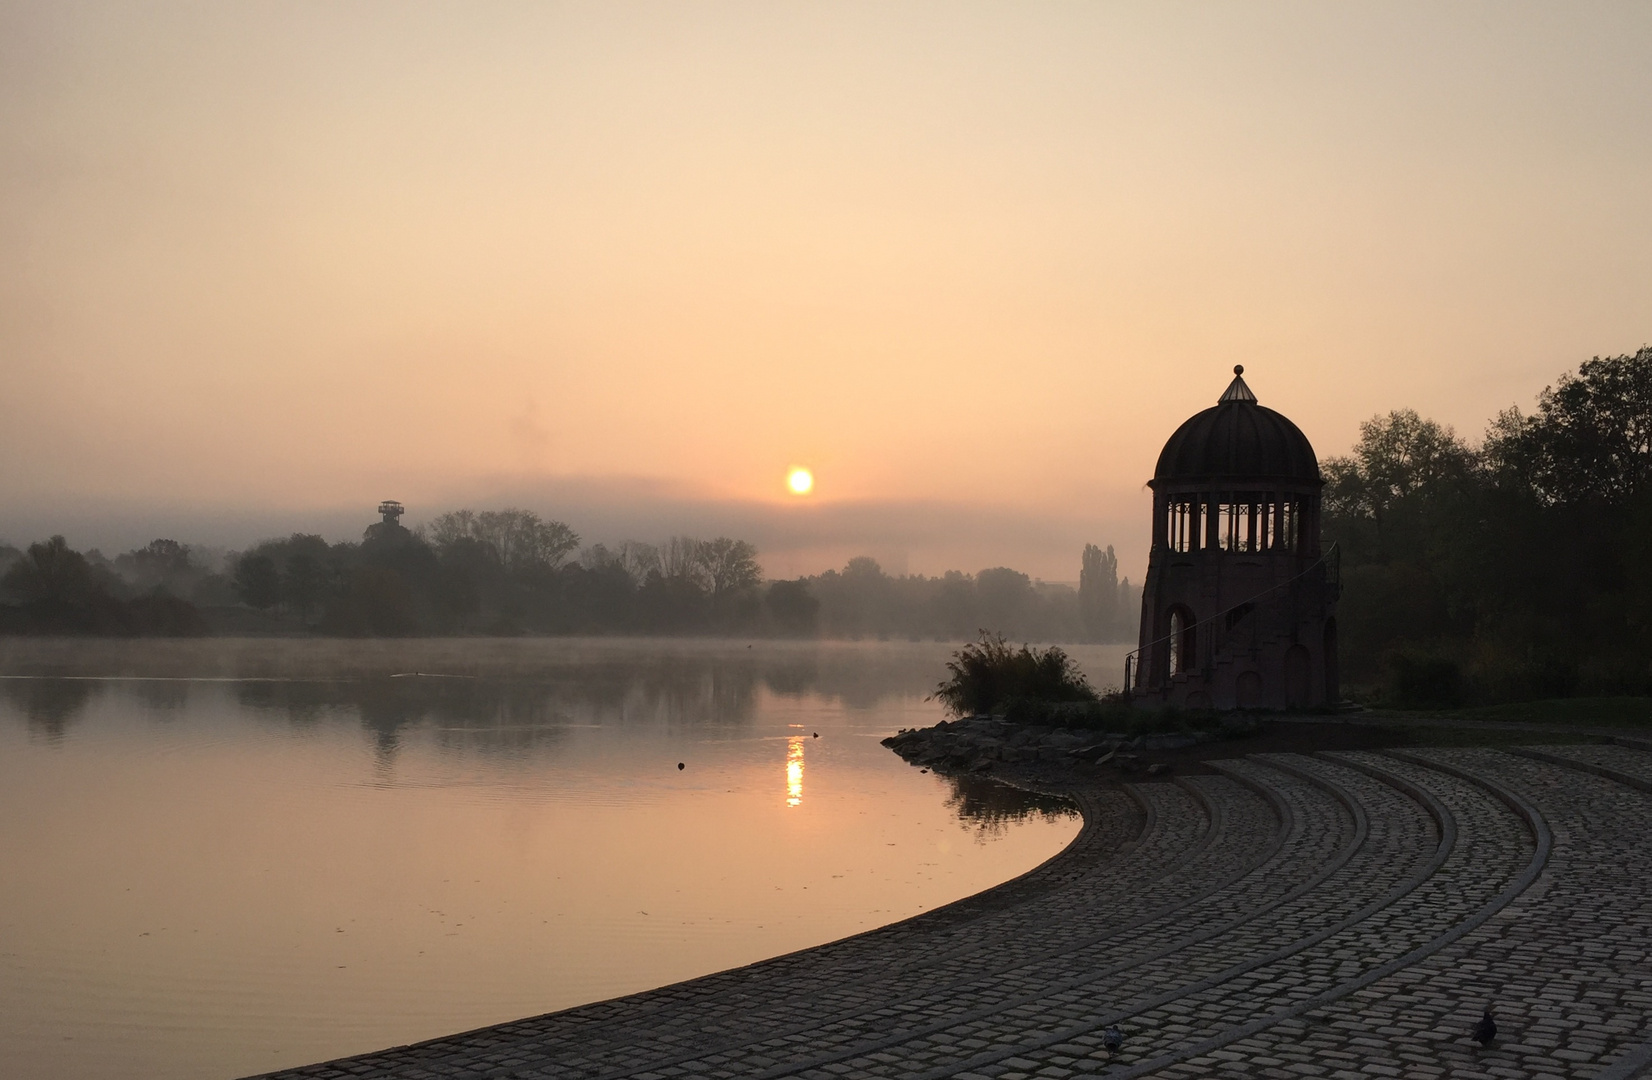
[1339, 915]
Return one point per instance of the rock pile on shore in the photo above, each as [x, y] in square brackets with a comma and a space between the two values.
[983, 744]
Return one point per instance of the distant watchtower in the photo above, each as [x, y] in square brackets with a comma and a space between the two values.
[392, 511]
[1239, 604]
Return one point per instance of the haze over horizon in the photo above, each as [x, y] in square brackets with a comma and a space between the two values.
[625, 265]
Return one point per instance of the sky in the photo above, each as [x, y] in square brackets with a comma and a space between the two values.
[263, 265]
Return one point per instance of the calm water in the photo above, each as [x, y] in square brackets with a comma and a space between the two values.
[222, 858]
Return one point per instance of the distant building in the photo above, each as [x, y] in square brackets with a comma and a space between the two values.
[1239, 605]
[389, 531]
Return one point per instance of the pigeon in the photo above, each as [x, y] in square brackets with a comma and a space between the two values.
[1112, 1038]
[1485, 1030]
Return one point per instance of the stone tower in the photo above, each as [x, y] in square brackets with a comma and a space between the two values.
[1239, 605]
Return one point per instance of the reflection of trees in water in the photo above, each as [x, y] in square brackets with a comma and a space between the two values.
[515, 715]
[516, 696]
[721, 688]
[162, 696]
[50, 706]
[993, 807]
[793, 676]
[859, 678]
[673, 696]
[304, 703]
[675, 693]
[494, 717]
[385, 709]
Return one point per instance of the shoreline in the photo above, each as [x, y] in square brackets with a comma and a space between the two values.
[1208, 858]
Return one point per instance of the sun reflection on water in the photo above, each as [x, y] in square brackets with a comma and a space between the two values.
[794, 770]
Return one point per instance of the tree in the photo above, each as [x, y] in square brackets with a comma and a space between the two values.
[51, 571]
[376, 603]
[1590, 438]
[158, 564]
[1004, 596]
[729, 565]
[680, 561]
[451, 527]
[521, 539]
[304, 582]
[953, 605]
[791, 606]
[1397, 456]
[639, 559]
[257, 581]
[1098, 593]
[859, 600]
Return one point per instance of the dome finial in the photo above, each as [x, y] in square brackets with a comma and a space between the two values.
[1237, 390]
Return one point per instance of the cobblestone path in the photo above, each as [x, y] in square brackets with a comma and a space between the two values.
[1340, 915]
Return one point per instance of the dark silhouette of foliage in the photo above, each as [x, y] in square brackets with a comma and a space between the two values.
[1524, 565]
[519, 538]
[791, 607]
[1100, 605]
[508, 572]
[1590, 438]
[730, 566]
[58, 590]
[257, 581]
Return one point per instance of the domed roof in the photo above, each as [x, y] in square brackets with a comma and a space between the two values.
[1240, 440]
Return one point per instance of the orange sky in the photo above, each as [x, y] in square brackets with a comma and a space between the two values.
[262, 265]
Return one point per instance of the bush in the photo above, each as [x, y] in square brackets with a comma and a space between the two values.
[990, 676]
[1424, 681]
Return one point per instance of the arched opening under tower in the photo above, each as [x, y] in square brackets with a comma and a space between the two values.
[1183, 640]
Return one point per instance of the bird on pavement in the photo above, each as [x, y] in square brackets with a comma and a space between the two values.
[1112, 1038]
[1485, 1030]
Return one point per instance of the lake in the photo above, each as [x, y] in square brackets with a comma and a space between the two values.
[224, 857]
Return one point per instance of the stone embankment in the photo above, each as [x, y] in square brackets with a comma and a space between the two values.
[984, 744]
[1280, 915]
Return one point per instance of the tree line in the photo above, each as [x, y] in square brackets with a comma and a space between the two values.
[505, 572]
[1515, 567]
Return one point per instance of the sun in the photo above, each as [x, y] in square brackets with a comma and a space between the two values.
[800, 480]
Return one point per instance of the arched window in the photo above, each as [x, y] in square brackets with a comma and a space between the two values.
[1182, 640]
